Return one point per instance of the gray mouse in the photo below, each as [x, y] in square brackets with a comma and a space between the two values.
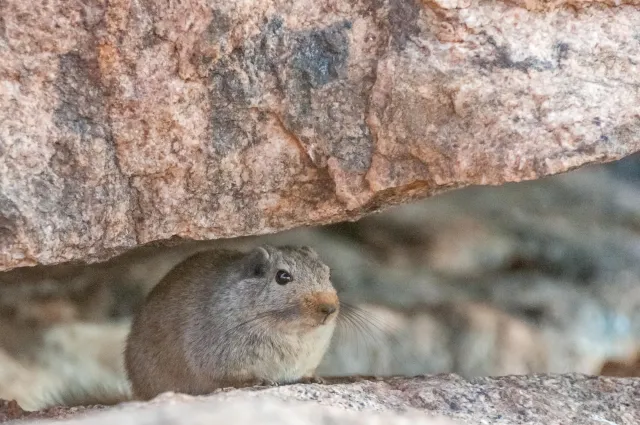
[224, 318]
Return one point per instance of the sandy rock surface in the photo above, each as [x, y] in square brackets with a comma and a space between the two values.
[533, 399]
[129, 122]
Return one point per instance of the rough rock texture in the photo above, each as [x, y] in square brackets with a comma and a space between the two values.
[127, 122]
[537, 399]
[267, 411]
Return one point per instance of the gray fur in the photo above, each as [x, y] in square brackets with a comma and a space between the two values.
[211, 322]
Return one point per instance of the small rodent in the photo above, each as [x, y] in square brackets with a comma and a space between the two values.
[225, 318]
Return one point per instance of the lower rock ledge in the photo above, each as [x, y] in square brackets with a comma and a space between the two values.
[429, 400]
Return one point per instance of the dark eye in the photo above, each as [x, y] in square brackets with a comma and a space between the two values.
[283, 277]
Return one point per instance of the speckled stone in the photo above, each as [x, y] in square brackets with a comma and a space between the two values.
[123, 122]
[526, 399]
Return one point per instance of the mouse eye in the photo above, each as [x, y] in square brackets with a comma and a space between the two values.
[283, 277]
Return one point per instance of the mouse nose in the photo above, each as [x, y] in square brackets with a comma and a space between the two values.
[327, 308]
[321, 307]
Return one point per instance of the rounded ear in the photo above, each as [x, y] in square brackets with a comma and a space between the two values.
[257, 261]
[309, 251]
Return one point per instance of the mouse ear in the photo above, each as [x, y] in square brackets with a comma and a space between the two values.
[257, 261]
[310, 251]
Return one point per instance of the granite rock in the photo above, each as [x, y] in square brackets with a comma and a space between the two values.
[534, 399]
[123, 123]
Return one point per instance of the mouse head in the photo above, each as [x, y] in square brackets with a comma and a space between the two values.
[291, 285]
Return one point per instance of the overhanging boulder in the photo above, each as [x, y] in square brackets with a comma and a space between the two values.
[127, 122]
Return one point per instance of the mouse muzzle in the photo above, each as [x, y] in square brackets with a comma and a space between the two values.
[321, 306]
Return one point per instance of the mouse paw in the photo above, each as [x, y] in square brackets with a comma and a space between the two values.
[311, 380]
[268, 383]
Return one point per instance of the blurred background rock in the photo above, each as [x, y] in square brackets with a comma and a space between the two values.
[540, 276]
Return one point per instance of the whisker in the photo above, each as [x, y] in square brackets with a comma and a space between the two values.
[376, 330]
[350, 323]
[376, 322]
[249, 329]
[363, 335]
